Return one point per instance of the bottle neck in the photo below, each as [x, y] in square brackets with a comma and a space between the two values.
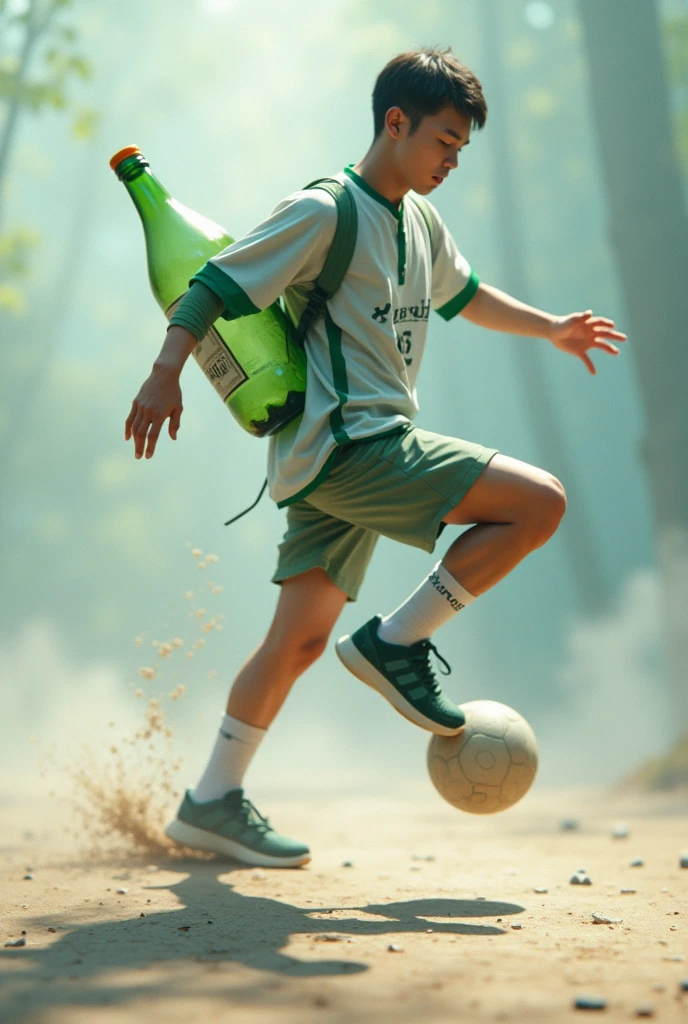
[148, 194]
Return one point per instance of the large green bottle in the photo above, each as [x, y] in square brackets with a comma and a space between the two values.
[252, 363]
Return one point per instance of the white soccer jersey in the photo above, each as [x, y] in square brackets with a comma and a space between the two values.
[365, 353]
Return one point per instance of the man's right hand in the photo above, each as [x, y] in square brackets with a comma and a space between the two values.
[160, 396]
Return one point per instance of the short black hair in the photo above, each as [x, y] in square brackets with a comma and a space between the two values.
[422, 82]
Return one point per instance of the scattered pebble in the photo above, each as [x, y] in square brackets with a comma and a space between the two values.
[481, 897]
[637, 862]
[645, 1010]
[590, 1003]
[664, 889]
[28, 878]
[540, 888]
[258, 874]
[580, 879]
[674, 959]
[51, 929]
[628, 891]
[683, 859]
[620, 831]
[601, 919]
[683, 984]
[569, 824]
[347, 864]
[122, 890]
[517, 926]
[16, 942]
[394, 947]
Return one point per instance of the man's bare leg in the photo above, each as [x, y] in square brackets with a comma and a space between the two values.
[517, 508]
[308, 607]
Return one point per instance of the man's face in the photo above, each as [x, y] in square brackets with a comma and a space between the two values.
[425, 158]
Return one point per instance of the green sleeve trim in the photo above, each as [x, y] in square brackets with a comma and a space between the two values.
[455, 305]
[305, 491]
[198, 310]
[339, 379]
[235, 299]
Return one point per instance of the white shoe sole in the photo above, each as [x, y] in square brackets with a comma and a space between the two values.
[201, 839]
[350, 656]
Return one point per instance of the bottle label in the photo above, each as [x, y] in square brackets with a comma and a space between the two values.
[216, 360]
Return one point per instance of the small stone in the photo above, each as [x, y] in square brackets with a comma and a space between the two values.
[674, 959]
[394, 947]
[628, 891]
[645, 1010]
[517, 926]
[637, 862]
[540, 888]
[569, 824]
[601, 919]
[580, 879]
[481, 897]
[51, 929]
[590, 1003]
[683, 859]
[620, 831]
[664, 889]
[258, 874]
[122, 890]
[16, 942]
[683, 984]
[28, 878]
[672, 927]
[347, 864]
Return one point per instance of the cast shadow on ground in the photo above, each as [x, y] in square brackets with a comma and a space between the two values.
[214, 924]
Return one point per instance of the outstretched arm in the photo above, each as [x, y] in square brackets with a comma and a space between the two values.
[575, 333]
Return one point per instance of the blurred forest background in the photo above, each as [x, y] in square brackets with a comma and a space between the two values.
[573, 197]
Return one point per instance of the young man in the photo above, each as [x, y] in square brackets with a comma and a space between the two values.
[354, 466]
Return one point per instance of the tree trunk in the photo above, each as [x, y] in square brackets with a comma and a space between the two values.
[576, 531]
[648, 230]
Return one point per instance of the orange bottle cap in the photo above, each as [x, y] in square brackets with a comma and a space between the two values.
[122, 155]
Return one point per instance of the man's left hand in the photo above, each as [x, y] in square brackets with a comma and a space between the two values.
[577, 333]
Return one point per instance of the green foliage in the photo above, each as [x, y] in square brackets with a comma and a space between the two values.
[675, 32]
[15, 249]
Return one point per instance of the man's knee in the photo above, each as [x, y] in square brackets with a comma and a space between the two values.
[547, 509]
[300, 650]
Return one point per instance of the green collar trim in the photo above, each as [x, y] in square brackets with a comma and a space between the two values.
[362, 183]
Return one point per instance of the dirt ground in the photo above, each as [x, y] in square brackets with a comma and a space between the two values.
[210, 941]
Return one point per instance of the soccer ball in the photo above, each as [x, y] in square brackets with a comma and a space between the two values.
[490, 764]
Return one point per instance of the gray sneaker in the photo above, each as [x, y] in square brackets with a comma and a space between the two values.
[233, 826]
[403, 675]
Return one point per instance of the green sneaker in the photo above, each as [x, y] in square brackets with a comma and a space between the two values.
[233, 826]
[403, 675]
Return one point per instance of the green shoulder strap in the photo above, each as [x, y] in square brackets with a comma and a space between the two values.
[339, 256]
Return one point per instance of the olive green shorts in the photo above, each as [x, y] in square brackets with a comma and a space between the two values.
[401, 486]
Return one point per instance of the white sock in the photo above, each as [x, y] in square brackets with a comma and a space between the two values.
[434, 602]
[234, 748]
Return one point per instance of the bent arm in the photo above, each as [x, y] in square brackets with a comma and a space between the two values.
[493, 308]
[189, 324]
